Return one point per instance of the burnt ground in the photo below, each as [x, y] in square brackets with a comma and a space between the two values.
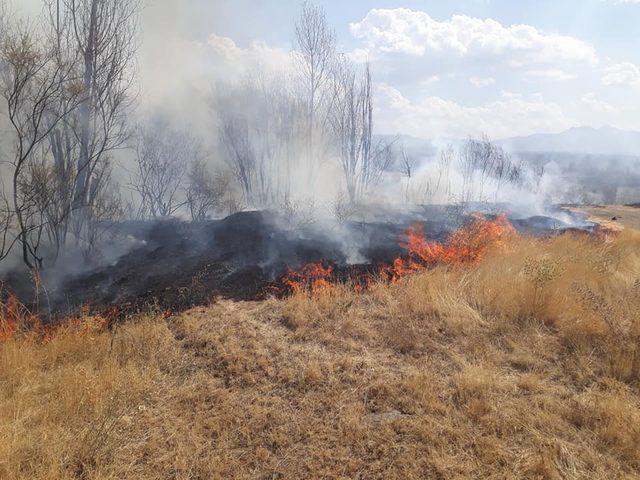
[175, 265]
[181, 264]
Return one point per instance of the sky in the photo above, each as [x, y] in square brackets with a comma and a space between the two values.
[447, 69]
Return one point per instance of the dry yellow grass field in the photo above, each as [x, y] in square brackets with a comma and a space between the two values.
[526, 365]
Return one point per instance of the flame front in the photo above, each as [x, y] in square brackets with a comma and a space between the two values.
[313, 277]
[16, 320]
[466, 245]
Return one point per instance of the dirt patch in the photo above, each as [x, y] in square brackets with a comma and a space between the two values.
[613, 217]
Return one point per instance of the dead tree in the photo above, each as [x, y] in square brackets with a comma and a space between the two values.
[260, 139]
[204, 191]
[7, 240]
[315, 45]
[35, 88]
[107, 209]
[505, 171]
[474, 156]
[407, 164]
[288, 113]
[363, 160]
[239, 155]
[162, 157]
[538, 170]
[481, 163]
[7, 229]
[102, 36]
[443, 184]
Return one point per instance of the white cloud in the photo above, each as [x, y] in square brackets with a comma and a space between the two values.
[625, 73]
[430, 80]
[596, 105]
[482, 82]
[432, 117]
[551, 74]
[225, 50]
[415, 33]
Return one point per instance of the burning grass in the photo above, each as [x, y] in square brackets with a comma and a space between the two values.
[525, 363]
[17, 322]
[467, 245]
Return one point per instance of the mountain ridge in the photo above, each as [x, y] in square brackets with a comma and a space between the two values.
[605, 140]
[586, 140]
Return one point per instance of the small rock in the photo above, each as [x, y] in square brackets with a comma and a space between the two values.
[386, 416]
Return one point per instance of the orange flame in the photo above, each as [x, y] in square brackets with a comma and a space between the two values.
[464, 246]
[9, 318]
[15, 318]
[16, 321]
[313, 277]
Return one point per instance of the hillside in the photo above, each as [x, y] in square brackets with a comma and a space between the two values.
[606, 141]
[579, 140]
[525, 365]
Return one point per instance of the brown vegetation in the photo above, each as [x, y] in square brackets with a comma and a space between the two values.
[524, 365]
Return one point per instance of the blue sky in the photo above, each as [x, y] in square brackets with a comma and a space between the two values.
[569, 63]
[611, 25]
[442, 68]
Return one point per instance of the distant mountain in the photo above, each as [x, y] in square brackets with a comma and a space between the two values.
[607, 141]
[579, 140]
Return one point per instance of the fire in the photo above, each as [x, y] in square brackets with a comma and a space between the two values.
[17, 321]
[14, 318]
[313, 277]
[9, 318]
[466, 245]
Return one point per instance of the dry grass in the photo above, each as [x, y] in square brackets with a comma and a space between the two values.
[524, 366]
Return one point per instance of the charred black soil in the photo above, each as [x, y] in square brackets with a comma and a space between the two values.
[175, 265]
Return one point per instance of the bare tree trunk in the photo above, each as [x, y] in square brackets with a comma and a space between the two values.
[88, 54]
[363, 163]
[33, 87]
[315, 43]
